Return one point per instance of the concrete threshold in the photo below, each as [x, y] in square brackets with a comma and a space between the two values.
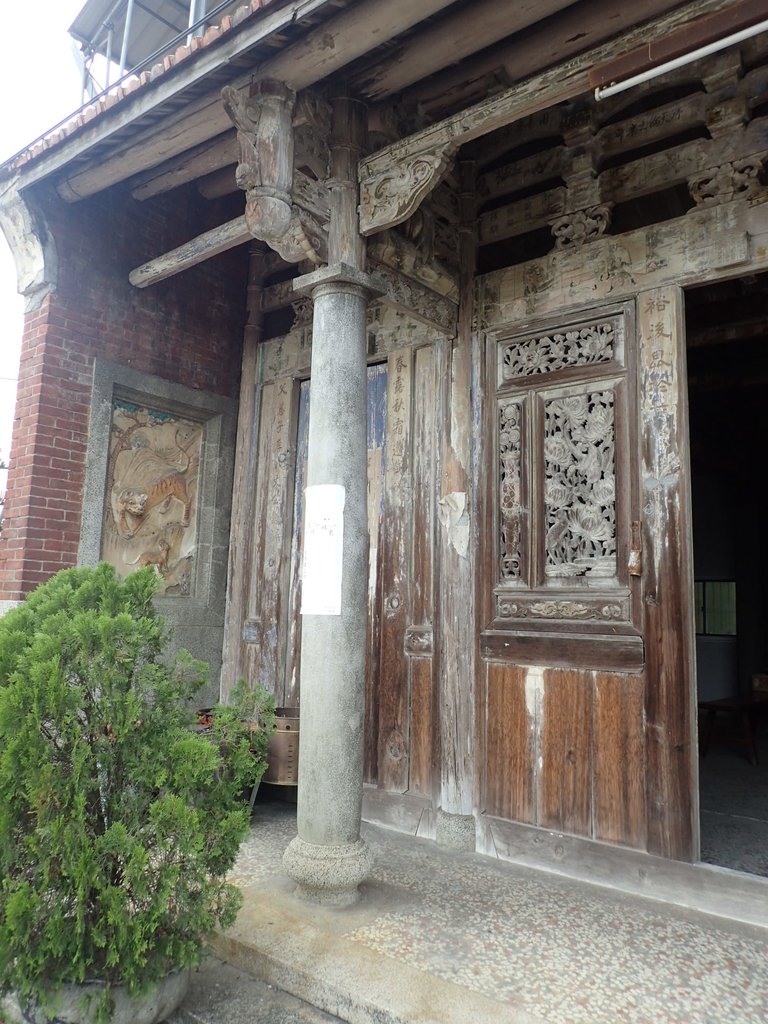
[441, 937]
[306, 951]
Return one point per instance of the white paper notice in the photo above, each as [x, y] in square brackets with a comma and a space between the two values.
[323, 550]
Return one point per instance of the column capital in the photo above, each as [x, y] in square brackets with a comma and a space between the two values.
[344, 278]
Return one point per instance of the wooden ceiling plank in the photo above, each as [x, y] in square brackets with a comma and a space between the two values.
[578, 28]
[151, 98]
[536, 93]
[331, 46]
[456, 36]
[702, 32]
[195, 163]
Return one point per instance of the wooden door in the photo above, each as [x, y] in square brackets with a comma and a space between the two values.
[402, 415]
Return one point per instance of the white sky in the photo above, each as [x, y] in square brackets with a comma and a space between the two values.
[39, 85]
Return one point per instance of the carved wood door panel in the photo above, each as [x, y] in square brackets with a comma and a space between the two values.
[563, 493]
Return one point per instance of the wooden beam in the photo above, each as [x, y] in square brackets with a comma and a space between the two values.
[702, 32]
[332, 45]
[456, 36]
[219, 183]
[149, 99]
[195, 163]
[416, 164]
[542, 46]
[199, 249]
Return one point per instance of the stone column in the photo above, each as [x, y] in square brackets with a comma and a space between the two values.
[328, 858]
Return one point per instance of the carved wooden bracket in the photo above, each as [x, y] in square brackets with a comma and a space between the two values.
[575, 229]
[389, 197]
[737, 179]
[287, 218]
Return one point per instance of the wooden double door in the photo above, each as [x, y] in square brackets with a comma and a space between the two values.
[400, 695]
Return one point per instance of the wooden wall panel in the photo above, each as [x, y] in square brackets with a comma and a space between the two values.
[273, 531]
[377, 455]
[510, 744]
[424, 450]
[565, 783]
[394, 711]
[422, 733]
[619, 759]
[290, 696]
[668, 578]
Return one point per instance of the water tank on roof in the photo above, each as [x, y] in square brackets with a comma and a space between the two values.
[128, 32]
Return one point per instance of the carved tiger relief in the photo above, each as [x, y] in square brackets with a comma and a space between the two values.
[157, 557]
[134, 506]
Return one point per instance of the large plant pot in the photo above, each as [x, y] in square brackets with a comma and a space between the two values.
[76, 1004]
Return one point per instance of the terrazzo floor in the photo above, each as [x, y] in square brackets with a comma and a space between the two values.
[566, 952]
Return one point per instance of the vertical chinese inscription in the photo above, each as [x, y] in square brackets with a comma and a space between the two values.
[510, 490]
[580, 485]
[398, 413]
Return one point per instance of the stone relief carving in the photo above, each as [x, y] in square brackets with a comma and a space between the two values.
[581, 346]
[738, 179]
[152, 484]
[392, 196]
[580, 486]
[510, 490]
[575, 229]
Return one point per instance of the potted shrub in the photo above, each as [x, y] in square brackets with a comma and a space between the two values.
[118, 823]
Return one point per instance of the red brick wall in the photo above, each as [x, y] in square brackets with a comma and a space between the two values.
[187, 329]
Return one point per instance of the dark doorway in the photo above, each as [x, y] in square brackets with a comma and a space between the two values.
[727, 338]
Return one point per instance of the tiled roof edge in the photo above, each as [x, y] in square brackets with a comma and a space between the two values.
[134, 82]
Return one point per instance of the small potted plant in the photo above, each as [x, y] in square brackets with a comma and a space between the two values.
[118, 823]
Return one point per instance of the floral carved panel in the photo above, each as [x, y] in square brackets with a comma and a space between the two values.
[580, 486]
[510, 490]
[582, 345]
[153, 472]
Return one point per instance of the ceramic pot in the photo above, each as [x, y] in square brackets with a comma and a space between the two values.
[76, 1004]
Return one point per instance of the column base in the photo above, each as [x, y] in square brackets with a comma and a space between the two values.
[328, 874]
[455, 831]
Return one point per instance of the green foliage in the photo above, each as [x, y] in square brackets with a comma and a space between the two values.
[117, 822]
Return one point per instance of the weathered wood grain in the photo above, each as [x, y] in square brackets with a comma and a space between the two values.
[336, 42]
[668, 578]
[698, 247]
[511, 714]
[565, 773]
[619, 759]
[197, 162]
[291, 695]
[452, 38]
[243, 488]
[197, 250]
[394, 710]
[457, 534]
[377, 457]
[421, 777]
[574, 30]
[274, 532]
[387, 175]
[421, 612]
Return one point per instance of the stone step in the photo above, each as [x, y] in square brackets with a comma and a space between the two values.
[221, 994]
